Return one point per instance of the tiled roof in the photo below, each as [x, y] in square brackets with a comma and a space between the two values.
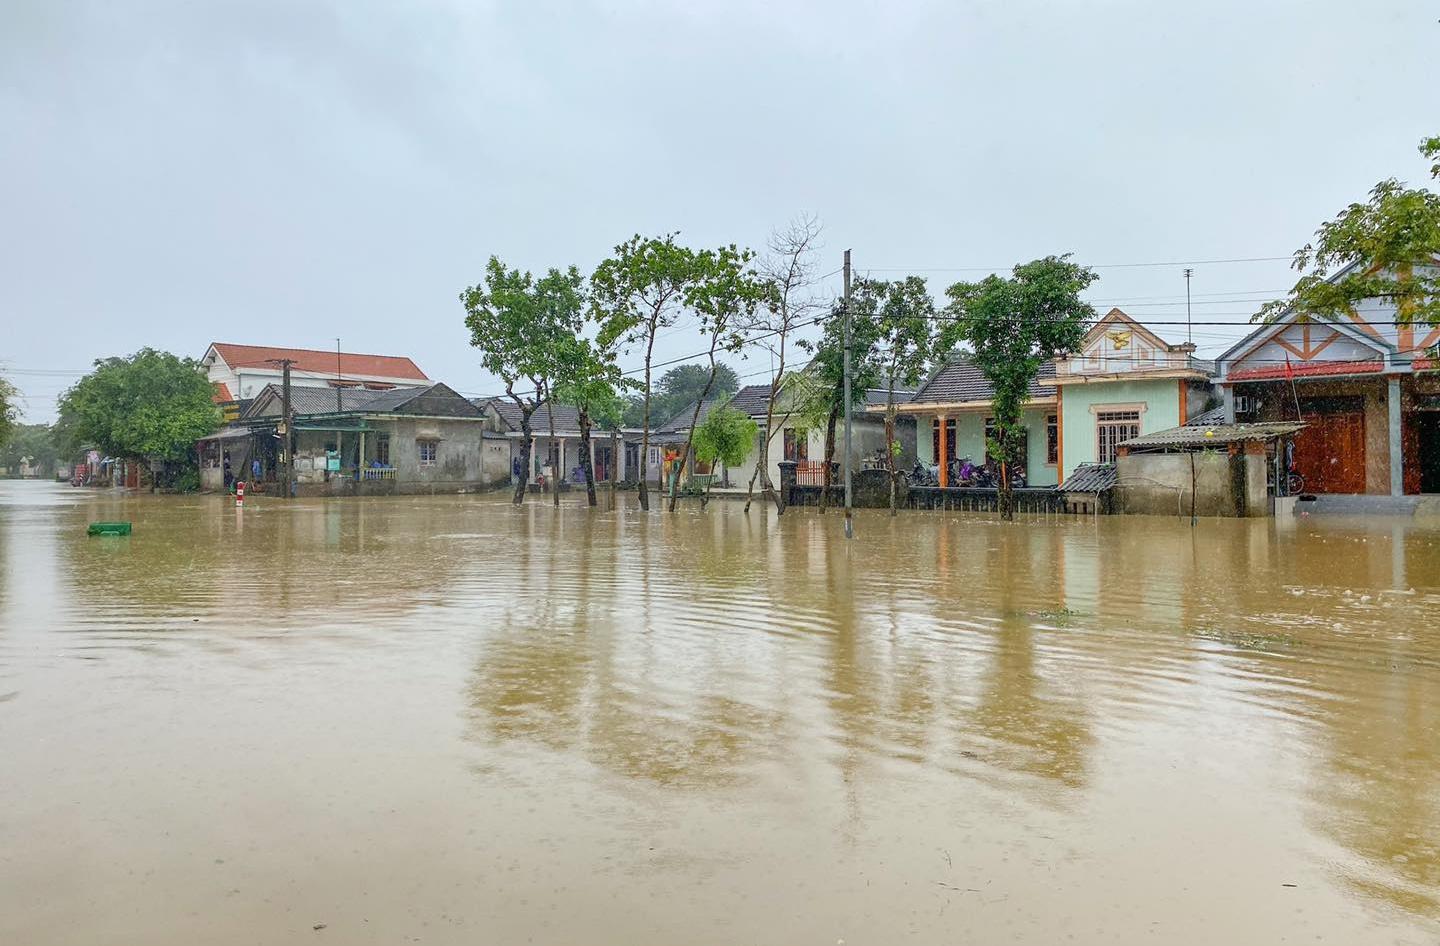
[960, 381]
[751, 400]
[566, 416]
[222, 393]
[309, 401]
[1090, 478]
[350, 365]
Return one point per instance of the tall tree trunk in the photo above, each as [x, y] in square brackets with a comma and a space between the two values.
[829, 455]
[525, 414]
[750, 490]
[645, 424]
[694, 419]
[890, 448]
[555, 474]
[585, 463]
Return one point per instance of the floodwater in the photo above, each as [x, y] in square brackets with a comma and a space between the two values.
[446, 720]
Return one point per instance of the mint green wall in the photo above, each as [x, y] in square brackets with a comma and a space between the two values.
[1160, 397]
[970, 442]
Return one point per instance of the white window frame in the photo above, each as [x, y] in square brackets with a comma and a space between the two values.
[1101, 409]
[420, 448]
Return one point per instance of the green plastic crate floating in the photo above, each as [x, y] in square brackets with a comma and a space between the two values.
[109, 528]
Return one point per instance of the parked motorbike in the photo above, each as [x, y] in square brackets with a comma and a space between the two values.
[923, 475]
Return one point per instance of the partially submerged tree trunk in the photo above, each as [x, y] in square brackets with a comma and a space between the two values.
[555, 474]
[645, 423]
[830, 423]
[890, 450]
[585, 463]
[694, 419]
[526, 412]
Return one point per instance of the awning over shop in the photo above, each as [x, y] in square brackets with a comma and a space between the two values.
[229, 433]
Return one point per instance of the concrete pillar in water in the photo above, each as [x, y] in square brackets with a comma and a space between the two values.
[1397, 454]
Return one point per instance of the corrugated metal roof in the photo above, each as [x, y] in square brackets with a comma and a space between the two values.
[960, 381]
[1216, 415]
[1203, 436]
[1090, 478]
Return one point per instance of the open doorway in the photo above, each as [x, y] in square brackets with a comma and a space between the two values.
[1426, 425]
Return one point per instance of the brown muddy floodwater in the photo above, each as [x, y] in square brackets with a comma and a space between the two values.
[446, 720]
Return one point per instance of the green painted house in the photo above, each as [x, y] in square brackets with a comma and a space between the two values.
[1124, 381]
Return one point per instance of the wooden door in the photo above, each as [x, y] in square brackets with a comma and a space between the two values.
[1330, 453]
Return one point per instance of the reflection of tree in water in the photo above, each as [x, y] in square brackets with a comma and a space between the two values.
[1032, 727]
[600, 678]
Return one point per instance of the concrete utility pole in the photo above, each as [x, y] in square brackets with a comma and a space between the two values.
[288, 441]
[1189, 336]
[849, 523]
[339, 406]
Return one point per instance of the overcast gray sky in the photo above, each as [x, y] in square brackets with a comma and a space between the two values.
[282, 172]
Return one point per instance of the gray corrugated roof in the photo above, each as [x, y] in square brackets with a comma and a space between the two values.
[878, 396]
[960, 381]
[1216, 415]
[1089, 478]
[1198, 436]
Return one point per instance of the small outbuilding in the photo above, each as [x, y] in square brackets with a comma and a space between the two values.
[1204, 470]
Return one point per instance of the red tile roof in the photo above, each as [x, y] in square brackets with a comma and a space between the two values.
[320, 362]
[222, 393]
[1305, 369]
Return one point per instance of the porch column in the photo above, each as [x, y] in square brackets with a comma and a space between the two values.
[944, 452]
[1227, 398]
[1397, 452]
[560, 461]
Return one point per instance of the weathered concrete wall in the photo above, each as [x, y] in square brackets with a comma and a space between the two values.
[1159, 484]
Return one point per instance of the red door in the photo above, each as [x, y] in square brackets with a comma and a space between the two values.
[1330, 453]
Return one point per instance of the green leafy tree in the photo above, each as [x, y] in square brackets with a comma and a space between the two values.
[523, 328]
[591, 382]
[906, 342]
[724, 297]
[1396, 234]
[636, 294]
[9, 410]
[1013, 326]
[826, 388]
[35, 442]
[151, 405]
[725, 436]
[678, 388]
